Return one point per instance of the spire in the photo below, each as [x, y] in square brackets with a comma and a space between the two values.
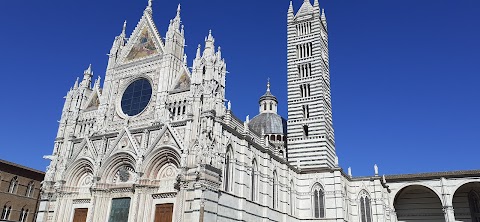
[97, 83]
[316, 4]
[178, 11]
[210, 37]
[75, 85]
[290, 8]
[324, 18]
[268, 85]
[87, 77]
[198, 52]
[209, 44]
[124, 28]
[88, 71]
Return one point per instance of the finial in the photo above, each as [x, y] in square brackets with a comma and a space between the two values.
[75, 85]
[210, 37]
[349, 171]
[375, 168]
[124, 27]
[185, 59]
[247, 119]
[97, 83]
[198, 51]
[149, 7]
[383, 179]
[178, 10]
[268, 85]
[229, 105]
[89, 70]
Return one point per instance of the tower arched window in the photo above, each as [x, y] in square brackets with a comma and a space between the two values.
[305, 130]
[271, 105]
[365, 207]
[275, 190]
[13, 185]
[318, 199]
[30, 188]
[254, 181]
[474, 203]
[204, 71]
[6, 212]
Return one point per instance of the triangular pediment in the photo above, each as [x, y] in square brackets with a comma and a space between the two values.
[167, 137]
[182, 83]
[93, 101]
[144, 42]
[125, 142]
[86, 150]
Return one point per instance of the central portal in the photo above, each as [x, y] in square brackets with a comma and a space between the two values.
[163, 212]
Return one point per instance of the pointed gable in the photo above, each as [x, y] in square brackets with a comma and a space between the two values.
[144, 46]
[182, 84]
[305, 9]
[144, 42]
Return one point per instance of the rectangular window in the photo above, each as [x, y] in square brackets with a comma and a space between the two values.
[119, 210]
[306, 111]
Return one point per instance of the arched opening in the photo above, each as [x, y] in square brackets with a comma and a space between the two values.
[13, 185]
[318, 201]
[29, 191]
[279, 138]
[272, 137]
[365, 207]
[7, 209]
[275, 190]
[466, 202]
[254, 178]
[418, 203]
[228, 174]
[292, 198]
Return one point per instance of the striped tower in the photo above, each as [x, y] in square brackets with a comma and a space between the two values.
[311, 142]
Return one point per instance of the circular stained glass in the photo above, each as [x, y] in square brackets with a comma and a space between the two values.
[136, 97]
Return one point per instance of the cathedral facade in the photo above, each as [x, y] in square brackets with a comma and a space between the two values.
[159, 142]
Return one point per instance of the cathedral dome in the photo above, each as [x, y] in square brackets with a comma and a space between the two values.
[268, 120]
[271, 123]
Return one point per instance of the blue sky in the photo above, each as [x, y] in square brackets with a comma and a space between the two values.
[404, 73]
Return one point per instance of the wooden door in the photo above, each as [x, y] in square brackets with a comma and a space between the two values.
[80, 215]
[163, 212]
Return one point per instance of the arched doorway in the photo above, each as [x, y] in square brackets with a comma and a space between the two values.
[417, 203]
[466, 202]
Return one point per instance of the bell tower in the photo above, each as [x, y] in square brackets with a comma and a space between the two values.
[311, 142]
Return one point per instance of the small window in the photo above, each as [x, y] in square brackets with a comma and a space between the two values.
[305, 130]
[271, 105]
[254, 181]
[6, 212]
[275, 190]
[30, 189]
[13, 185]
[23, 215]
[306, 111]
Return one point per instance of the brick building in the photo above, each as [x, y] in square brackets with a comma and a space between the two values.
[19, 192]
